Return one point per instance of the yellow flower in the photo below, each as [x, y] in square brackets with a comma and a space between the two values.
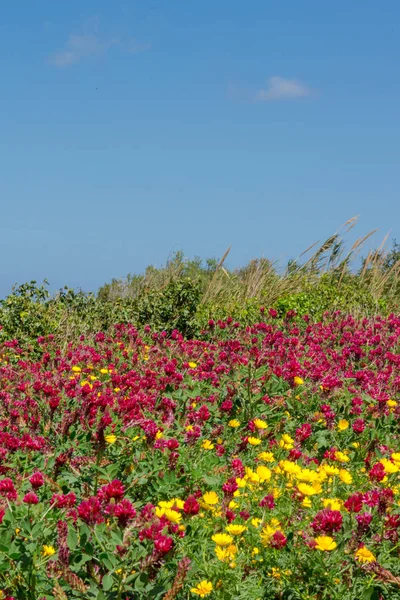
[76, 369]
[269, 530]
[256, 522]
[234, 423]
[264, 473]
[307, 490]
[48, 551]
[325, 543]
[104, 371]
[203, 588]
[306, 502]
[173, 516]
[276, 492]
[266, 457]
[255, 551]
[307, 475]
[391, 403]
[333, 503]
[192, 365]
[329, 470]
[345, 476]
[341, 457]
[298, 381]
[260, 424]
[235, 529]
[289, 467]
[84, 382]
[389, 466]
[241, 482]
[364, 555]
[396, 457]
[226, 554]
[342, 425]
[286, 442]
[254, 441]
[210, 498]
[166, 503]
[222, 539]
[275, 573]
[111, 438]
[159, 435]
[207, 445]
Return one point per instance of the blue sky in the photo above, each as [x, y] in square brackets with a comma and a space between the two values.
[132, 129]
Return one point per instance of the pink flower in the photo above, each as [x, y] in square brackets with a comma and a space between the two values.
[327, 521]
[36, 480]
[358, 425]
[163, 544]
[278, 540]
[191, 506]
[30, 498]
[7, 489]
[90, 511]
[124, 511]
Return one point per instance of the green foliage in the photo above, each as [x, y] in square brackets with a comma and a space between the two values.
[331, 293]
[174, 307]
[23, 312]
[186, 294]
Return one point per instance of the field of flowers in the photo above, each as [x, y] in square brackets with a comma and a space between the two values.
[257, 462]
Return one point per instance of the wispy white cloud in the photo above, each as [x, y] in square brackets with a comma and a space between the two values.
[280, 88]
[90, 43]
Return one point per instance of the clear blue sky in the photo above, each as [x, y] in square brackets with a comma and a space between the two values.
[131, 129]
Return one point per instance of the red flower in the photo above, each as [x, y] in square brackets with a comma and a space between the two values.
[30, 498]
[124, 511]
[7, 489]
[90, 511]
[115, 490]
[358, 425]
[163, 544]
[303, 432]
[36, 480]
[230, 487]
[354, 503]
[268, 501]
[327, 521]
[191, 506]
[377, 473]
[278, 540]
[364, 521]
[64, 501]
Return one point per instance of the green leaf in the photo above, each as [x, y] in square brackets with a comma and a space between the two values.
[72, 538]
[107, 582]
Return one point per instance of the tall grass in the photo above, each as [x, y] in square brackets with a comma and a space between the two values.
[264, 280]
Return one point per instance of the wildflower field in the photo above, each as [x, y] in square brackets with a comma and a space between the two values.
[253, 462]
